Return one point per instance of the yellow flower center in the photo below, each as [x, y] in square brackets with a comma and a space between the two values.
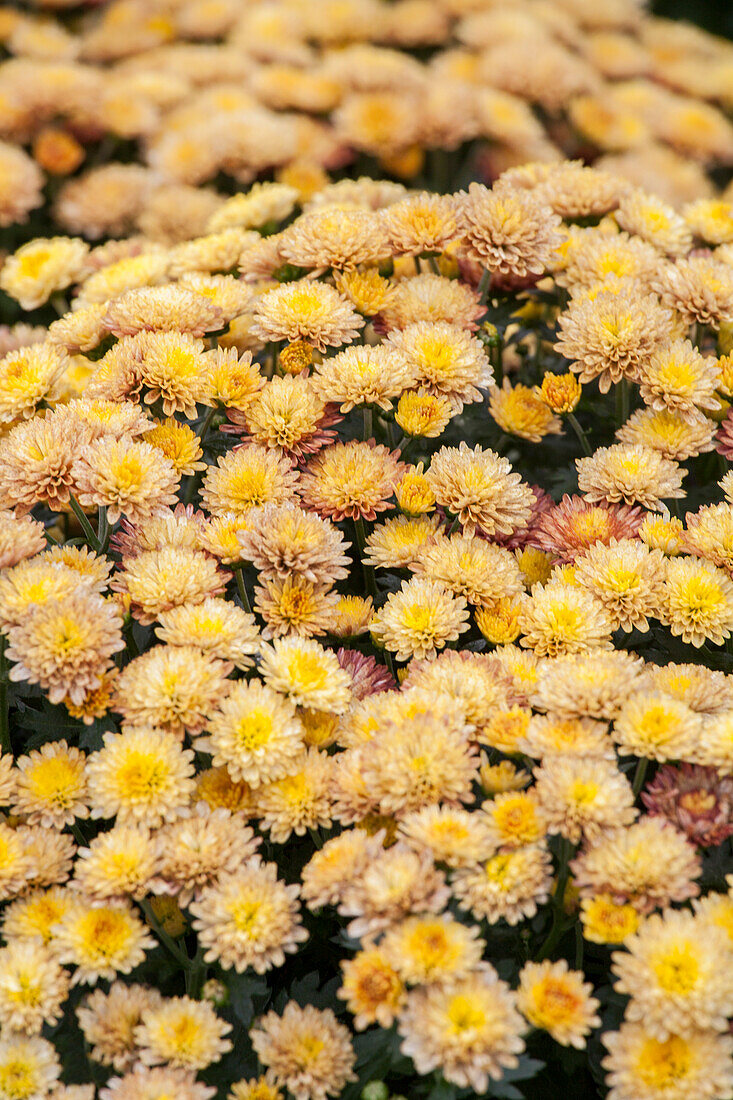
[464, 1015]
[255, 730]
[661, 1066]
[554, 1002]
[583, 793]
[105, 934]
[54, 781]
[32, 263]
[18, 1078]
[678, 970]
[140, 776]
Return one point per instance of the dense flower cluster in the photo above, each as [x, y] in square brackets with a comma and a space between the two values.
[366, 553]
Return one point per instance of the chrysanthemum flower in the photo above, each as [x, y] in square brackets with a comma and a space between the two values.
[108, 1022]
[426, 950]
[424, 414]
[505, 728]
[508, 886]
[699, 289]
[255, 733]
[480, 488]
[351, 479]
[295, 606]
[395, 883]
[606, 921]
[181, 527]
[583, 796]
[547, 735]
[656, 726]
[445, 359]
[249, 918]
[654, 221]
[663, 533]
[256, 1088]
[288, 414]
[306, 310]
[364, 374]
[431, 298]
[351, 616]
[649, 864]
[217, 626]
[630, 473]
[182, 1034]
[677, 376]
[155, 1082]
[282, 539]
[41, 267]
[35, 915]
[372, 989]
[558, 1001]
[676, 977]
[469, 1030]
[593, 685]
[65, 645]
[158, 580]
[421, 760]
[575, 524]
[396, 542]
[198, 847]
[420, 619]
[519, 411]
[698, 601]
[49, 855]
[610, 336]
[101, 941]
[179, 443]
[337, 863]
[560, 620]
[509, 231]
[233, 378]
[20, 537]
[300, 800]
[642, 1067]
[33, 987]
[219, 536]
[626, 577]
[140, 776]
[414, 494]
[470, 567]
[117, 863]
[93, 567]
[673, 434]
[51, 786]
[260, 204]
[308, 1051]
[420, 223]
[29, 1067]
[128, 477]
[306, 672]
[247, 477]
[695, 799]
[173, 688]
[367, 290]
[709, 534]
[168, 308]
[216, 788]
[336, 238]
[37, 463]
[703, 689]
[27, 377]
[450, 834]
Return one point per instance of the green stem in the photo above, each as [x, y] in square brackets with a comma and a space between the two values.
[582, 437]
[130, 639]
[558, 915]
[579, 945]
[454, 525]
[483, 287]
[316, 837]
[206, 424]
[86, 526]
[242, 588]
[390, 665]
[623, 399]
[4, 721]
[103, 530]
[368, 425]
[640, 775]
[168, 942]
[195, 974]
[433, 264]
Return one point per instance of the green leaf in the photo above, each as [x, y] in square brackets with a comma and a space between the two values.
[242, 990]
